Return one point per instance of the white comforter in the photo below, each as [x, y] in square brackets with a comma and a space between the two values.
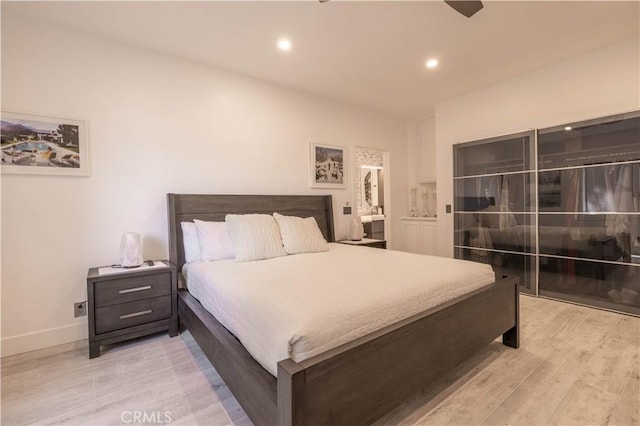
[300, 305]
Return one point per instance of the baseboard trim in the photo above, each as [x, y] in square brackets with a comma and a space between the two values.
[42, 339]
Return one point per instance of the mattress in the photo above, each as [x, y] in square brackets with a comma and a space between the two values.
[301, 305]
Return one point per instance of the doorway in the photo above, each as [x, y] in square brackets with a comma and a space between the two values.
[372, 183]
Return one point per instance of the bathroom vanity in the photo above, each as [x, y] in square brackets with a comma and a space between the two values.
[373, 226]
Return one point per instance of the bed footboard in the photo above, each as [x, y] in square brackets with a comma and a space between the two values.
[362, 380]
[253, 386]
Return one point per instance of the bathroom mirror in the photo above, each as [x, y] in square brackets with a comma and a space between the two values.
[370, 186]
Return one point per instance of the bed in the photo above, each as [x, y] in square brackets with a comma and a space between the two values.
[360, 380]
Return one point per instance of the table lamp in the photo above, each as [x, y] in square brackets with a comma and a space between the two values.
[131, 250]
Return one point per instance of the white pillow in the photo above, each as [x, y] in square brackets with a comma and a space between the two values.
[254, 236]
[215, 241]
[300, 235]
[190, 242]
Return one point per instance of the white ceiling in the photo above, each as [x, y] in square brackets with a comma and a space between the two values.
[366, 53]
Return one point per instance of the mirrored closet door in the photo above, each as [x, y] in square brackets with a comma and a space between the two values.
[589, 217]
[566, 220]
[494, 205]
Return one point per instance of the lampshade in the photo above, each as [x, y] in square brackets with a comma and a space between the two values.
[131, 250]
[356, 231]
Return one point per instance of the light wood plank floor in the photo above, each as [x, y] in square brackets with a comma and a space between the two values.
[575, 366]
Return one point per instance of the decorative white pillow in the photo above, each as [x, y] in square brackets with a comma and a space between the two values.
[215, 241]
[300, 235]
[190, 242]
[254, 236]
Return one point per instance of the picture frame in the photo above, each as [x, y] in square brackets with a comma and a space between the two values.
[328, 166]
[43, 145]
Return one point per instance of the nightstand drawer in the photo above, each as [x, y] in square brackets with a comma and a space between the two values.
[131, 289]
[125, 315]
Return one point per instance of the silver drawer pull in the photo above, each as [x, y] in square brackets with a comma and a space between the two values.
[133, 290]
[135, 314]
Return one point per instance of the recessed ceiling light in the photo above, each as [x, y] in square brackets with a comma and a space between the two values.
[284, 44]
[568, 128]
[432, 63]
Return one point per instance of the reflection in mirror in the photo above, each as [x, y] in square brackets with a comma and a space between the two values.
[604, 284]
[604, 237]
[507, 232]
[495, 156]
[591, 143]
[606, 188]
[510, 263]
[513, 193]
[589, 220]
[370, 185]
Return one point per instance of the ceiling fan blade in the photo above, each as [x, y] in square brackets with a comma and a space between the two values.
[467, 8]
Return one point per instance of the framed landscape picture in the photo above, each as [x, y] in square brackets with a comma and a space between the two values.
[328, 166]
[33, 144]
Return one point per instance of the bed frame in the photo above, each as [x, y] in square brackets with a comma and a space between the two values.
[362, 380]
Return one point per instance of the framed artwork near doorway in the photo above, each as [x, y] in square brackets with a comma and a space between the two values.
[328, 166]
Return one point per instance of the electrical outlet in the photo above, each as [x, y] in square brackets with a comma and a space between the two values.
[80, 309]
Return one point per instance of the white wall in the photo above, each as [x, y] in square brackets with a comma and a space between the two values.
[600, 83]
[157, 124]
[418, 150]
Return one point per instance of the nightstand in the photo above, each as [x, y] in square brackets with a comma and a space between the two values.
[130, 303]
[368, 242]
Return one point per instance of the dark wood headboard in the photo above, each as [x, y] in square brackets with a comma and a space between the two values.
[214, 208]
